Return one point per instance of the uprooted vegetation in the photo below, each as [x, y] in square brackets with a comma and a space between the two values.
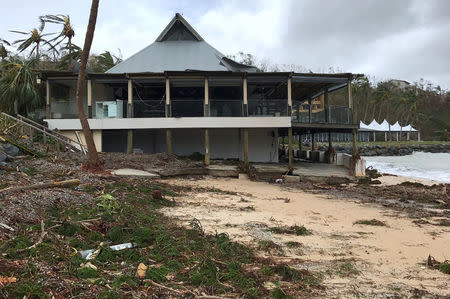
[373, 222]
[45, 258]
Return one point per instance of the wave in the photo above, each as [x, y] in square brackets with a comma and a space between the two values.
[430, 166]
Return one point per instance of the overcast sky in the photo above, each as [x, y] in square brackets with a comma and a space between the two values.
[401, 39]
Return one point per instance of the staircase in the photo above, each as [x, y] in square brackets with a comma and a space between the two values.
[26, 134]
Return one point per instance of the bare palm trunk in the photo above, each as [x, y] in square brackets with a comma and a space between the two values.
[37, 50]
[94, 162]
[70, 45]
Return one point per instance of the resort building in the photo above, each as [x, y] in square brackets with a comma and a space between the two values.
[180, 95]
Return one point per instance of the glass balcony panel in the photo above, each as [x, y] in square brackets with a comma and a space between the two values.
[187, 107]
[272, 107]
[225, 108]
[339, 114]
[110, 109]
[149, 108]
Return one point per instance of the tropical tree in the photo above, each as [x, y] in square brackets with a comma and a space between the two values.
[103, 62]
[69, 60]
[67, 32]
[3, 50]
[34, 39]
[94, 161]
[18, 89]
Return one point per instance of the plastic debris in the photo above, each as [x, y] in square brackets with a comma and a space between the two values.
[91, 254]
[278, 181]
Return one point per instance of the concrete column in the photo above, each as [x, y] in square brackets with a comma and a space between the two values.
[396, 136]
[207, 154]
[130, 142]
[246, 146]
[130, 115]
[299, 142]
[289, 94]
[313, 142]
[352, 117]
[327, 108]
[290, 147]
[89, 98]
[244, 95]
[374, 137]
[407, 136]
[168, 110]
[169, 141]
[206, 103]
[418, 136]
[48, 113]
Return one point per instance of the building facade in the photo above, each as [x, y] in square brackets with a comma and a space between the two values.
[180, 95]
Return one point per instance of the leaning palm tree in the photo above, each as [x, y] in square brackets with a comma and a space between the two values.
[94, 161]
[69, 60]
[35, 39]
[67, 31]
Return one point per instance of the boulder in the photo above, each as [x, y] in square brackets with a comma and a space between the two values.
[10, 149]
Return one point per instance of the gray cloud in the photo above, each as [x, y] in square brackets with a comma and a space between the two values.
[405, 39]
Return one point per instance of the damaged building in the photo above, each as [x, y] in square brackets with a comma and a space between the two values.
[180, 95]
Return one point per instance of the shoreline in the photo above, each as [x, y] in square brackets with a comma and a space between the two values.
[388, 179]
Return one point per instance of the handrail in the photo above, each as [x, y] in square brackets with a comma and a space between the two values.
[50, 133]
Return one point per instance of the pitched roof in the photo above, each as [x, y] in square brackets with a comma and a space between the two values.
[179, 48]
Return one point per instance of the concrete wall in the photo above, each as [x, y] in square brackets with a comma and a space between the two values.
[262, 145]
[97, 134]
[188, 141]
[173, 123]
[149, 141]
[225, 143]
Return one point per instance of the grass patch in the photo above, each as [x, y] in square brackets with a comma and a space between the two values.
[373, 222]
[347, 269]
[293, 244]
[175, 255]
[304, 276]
[445, 267]
[291, 230]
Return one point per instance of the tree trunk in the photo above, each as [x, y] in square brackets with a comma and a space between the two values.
[94, 162]
[70, 45]
[37, 50]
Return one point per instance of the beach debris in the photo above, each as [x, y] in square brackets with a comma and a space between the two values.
[157, 194]
[88, 265]
[5, 226]
[141, 270]
[51, 184]
[91, 254]
[279, 181]
[444, 266]
[5, 280]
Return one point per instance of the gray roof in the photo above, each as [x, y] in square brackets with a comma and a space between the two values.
[179, 48]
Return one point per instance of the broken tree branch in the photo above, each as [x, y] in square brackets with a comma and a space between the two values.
[42, 185]
[163, 286]
[41, 238]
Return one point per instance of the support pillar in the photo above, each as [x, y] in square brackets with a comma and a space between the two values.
[299, 142]
[48, 113]
[310, 110]
[374, 138]
[244, 96]
[207, 155]
[169, 141]
[290, 148]
[168, 110]
[130, 115]
[289, 95]
[89, 98]
[246, 146]
[354, 146]
[407, 136]
[313, 142]
[206, 103]
[353, 118]
[129, 141]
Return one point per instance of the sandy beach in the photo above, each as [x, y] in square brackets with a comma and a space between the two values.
[388, 259]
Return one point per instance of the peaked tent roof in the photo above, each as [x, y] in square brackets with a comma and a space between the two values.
[179, 48]
[396, 127]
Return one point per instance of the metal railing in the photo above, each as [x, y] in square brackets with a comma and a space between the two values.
[46, 132]
[336, 114]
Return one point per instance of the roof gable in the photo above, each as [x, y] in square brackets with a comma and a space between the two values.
[178, 29]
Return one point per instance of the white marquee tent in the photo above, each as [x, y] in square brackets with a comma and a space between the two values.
[385, 127]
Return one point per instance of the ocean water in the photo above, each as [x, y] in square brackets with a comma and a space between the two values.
[420, 165]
